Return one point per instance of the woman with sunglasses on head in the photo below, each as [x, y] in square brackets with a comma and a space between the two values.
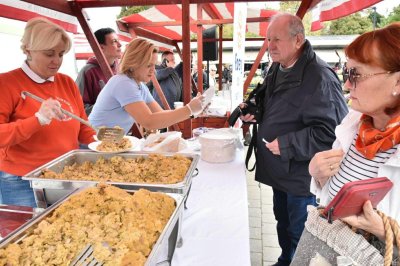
[367, 144]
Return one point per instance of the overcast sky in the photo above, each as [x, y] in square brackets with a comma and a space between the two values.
[105, 17]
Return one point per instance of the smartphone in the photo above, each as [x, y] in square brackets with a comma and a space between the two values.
[352, 196]
[165, 62]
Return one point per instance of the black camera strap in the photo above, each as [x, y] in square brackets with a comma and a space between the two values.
[252, 146]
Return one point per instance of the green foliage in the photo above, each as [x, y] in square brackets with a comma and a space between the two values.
[349, 25]
[227, 32]
[129, 10]
[392, 17]
[372, 14]
[289, 6]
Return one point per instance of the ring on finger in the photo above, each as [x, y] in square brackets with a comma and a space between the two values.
[331, 167]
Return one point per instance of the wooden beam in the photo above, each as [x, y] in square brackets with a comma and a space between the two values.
[200, 50]
[220, 32]
[194, 87]
[187, 131]
[109, 3]
[303, 8]
[57, 5]
[104, 65]
[151, 35]
[192, 22]
[210, 11]
[230, 39]
[164, 101]
[255, 66]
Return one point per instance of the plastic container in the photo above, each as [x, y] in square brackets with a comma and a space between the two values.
[217, 146]
[201, 130]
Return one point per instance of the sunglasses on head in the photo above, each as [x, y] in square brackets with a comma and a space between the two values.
[352, 75]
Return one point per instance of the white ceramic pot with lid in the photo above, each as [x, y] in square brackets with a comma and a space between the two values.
[218, 146]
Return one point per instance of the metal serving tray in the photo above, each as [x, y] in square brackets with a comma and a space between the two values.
[47, 191]
[160, 254]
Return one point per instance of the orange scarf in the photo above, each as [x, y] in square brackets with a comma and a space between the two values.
[371, 140]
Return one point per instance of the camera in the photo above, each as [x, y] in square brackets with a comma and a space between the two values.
[252, 105]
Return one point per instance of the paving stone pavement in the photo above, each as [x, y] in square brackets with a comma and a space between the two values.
[264, 245]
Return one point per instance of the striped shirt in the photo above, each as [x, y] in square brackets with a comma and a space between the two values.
[356, 167]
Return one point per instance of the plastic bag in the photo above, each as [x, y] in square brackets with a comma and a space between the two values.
[333, 240]
[164, 142]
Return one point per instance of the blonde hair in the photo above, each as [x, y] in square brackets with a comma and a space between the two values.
[137, 53]
[42, 34]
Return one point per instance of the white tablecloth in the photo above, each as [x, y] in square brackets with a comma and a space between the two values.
[215, 227]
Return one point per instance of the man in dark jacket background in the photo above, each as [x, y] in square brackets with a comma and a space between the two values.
[90, 78]
[169, 80]
[303, 104]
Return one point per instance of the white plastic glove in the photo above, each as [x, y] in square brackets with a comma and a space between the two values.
[196, 105]
[49, 110]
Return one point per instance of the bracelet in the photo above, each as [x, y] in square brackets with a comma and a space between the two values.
[191, 112]
[42, 119]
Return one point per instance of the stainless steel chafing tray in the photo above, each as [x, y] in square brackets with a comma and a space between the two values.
[162, 251]
[48, 191]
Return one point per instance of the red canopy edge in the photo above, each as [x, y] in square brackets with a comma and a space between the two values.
[24, 12]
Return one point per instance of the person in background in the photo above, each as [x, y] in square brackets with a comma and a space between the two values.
[169, 80]
[303, 104]
[367, 140]
[227, 75]
[195, 75]
[126, 99]
[212, 73]
[91, 78]
[344, 72]
[34, 133]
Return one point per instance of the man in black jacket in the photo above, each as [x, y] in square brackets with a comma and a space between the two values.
[303, 104]
[169, 80]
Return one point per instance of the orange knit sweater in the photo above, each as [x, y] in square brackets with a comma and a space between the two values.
[24, 143]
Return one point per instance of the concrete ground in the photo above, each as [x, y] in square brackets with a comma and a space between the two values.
[264, 245]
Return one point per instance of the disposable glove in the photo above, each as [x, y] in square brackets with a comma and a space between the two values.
[196, 105]
[49, 110]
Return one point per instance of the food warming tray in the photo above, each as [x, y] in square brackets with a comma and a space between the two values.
[161, 252]
[47, 191]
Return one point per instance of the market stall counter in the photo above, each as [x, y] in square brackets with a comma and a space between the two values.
[215, 228]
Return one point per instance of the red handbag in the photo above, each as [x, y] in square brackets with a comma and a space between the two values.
[352, 196]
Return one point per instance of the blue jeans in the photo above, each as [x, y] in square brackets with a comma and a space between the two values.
[15, 191]
[290, 213]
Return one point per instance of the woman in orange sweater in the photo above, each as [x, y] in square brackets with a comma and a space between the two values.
[33, 133]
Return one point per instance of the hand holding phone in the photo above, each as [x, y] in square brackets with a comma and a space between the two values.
[165, 62]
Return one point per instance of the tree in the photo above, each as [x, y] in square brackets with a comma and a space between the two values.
[129, 10]
[373, 14]
[227, 32]
[393, 16]
[289, 6]
[349, 25]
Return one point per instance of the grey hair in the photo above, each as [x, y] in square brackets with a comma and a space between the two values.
[294, 23]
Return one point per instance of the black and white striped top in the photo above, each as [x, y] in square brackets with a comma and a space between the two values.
[356, 167]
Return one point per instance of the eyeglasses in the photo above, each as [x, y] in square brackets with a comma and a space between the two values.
[353, 75]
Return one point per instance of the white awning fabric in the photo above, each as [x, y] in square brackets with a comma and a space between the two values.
[19, 10]
[162, 13]
[333, 9]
